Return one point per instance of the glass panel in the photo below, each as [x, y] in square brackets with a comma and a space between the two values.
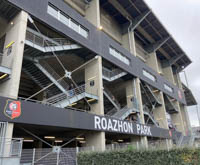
[167, 87]
[83, 32]
[52, 11]
[64, 19]
[149, 75]
[74, 26]
[119, 56]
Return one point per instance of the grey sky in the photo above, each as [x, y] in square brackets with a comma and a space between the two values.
[182, 20]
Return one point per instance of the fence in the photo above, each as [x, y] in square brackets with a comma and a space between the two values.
[49, 156]
[10, 151]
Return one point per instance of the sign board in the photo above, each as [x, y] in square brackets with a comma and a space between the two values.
[24, 112]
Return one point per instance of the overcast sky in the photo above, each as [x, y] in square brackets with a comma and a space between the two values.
[182, 19]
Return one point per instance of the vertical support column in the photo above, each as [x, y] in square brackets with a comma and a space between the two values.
[183, 108]
[177, 119]
[144, 140]
[186, 122]
[13, 59]
[93, 13]
[128, 41]
[168, 73]
[94, 85]
[16, 34]
[152, 61]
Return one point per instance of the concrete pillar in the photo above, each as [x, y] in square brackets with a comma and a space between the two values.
[130, 93]
[15, 33]
[92, 13]
[160, 112]
[168, 74]
[177, 119]
[185, 118]
[13, 59]
[144, 140]
[128, 42]
[152, 61]
[94, 85]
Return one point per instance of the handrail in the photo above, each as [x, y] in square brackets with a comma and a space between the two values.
[70, 93]
[40, 40]
[112, 97]
[110, 74]
[54, 74]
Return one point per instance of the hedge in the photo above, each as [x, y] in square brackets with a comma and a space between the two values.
[133, 157]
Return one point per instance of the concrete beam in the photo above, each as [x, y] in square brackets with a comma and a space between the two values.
[155, 46]
[172, 61]
[121, 9]
[135, 22]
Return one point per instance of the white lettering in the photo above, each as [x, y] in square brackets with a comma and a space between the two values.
[130, 127]
[115, 125]
[97, 122]
[149, 131]
[110, 127]
[125, 127]
[120, 126]
[104, 123]
[138, 128]
[142, 130]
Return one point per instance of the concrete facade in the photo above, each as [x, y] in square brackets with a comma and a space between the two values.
[118, 70]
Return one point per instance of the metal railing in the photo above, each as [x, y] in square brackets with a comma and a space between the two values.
[112, 97]
[70, 93]
[53, 73]
[10, 147]
[111, 74]
[44, 41]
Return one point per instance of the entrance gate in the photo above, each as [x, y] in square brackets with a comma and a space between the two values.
[49, 156]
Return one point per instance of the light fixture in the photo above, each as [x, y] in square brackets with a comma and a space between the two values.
[82, 142]
[3, 76]
[120, 140]
[91, 100]
[72, 104]
[100, 27]
[79, 138]
[155, 91]
[58, 141]
[12, 23]
[49, 137]
[28, 140]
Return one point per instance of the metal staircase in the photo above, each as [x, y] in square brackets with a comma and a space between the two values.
[45, 44]
[112, 75]
[52, 75]
[65, 99]
[39, 77]
[153, 98]
[149, 113]
[123, 113]
[170, 106]
[111, 98]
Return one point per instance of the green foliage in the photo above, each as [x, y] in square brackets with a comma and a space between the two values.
[131, 156]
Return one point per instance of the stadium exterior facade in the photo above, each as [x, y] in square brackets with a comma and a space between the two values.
[99, 71]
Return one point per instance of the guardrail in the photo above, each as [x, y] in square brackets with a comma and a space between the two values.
[44, 41]
[70, 93]
[55, 75]
[108, 73]
[10, 147]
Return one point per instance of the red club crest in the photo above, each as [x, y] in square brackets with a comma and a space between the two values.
[12, 109]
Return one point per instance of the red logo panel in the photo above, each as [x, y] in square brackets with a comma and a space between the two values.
[12, 109]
